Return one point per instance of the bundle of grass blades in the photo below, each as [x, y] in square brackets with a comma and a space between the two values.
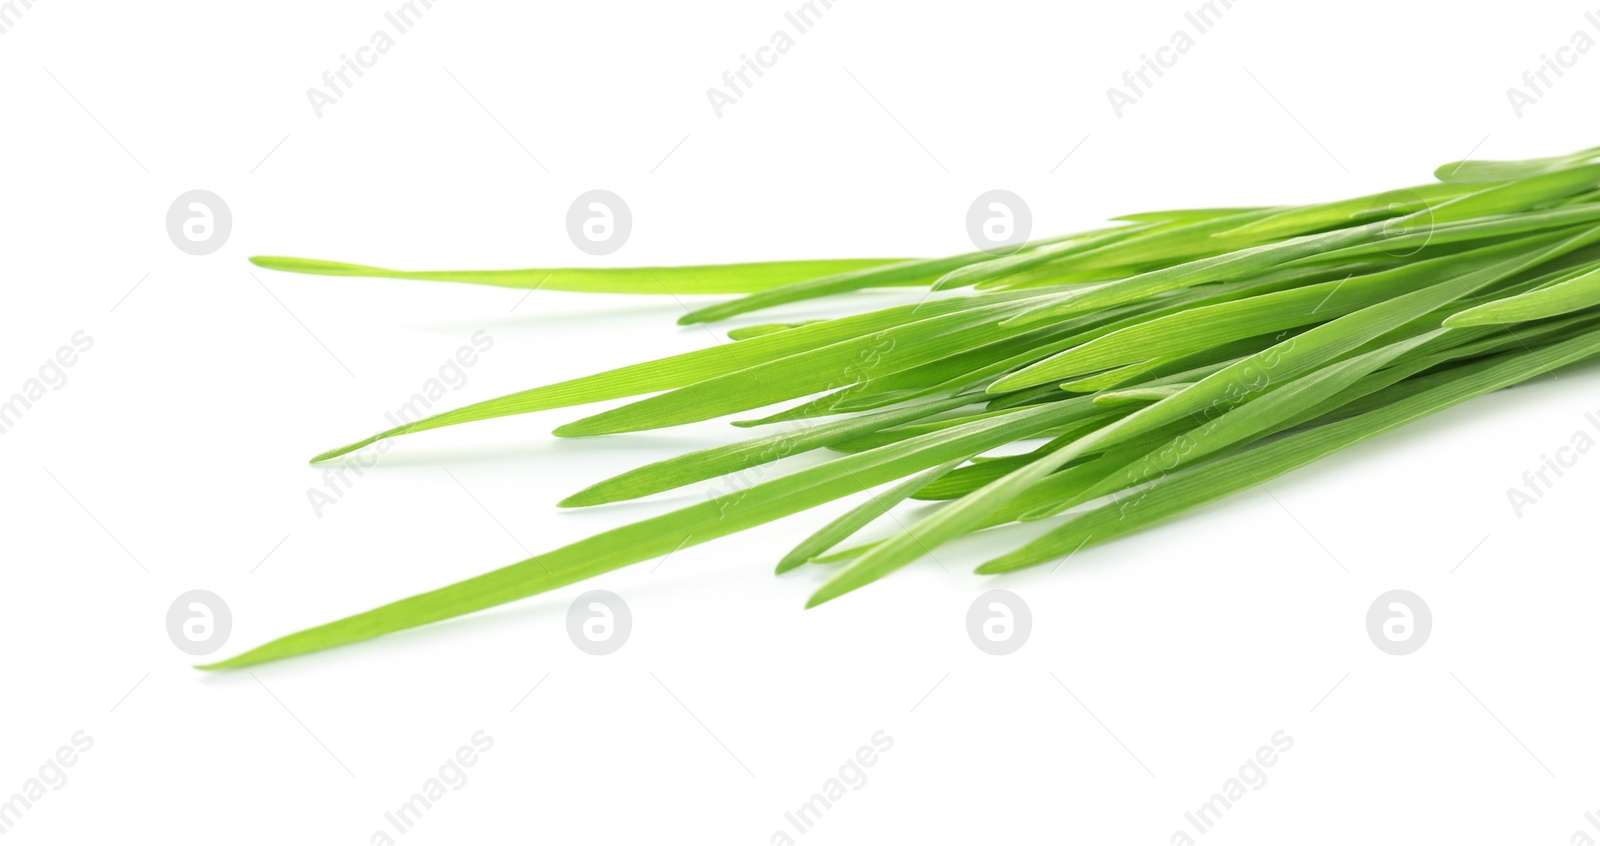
[1162, 363]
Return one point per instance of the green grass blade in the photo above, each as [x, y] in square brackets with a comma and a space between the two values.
[661, 535]
[1580, 289]
[1138, 396]
[1410, 241]
[1435, 224]
[1484, 170]
[1224, 389]
[679, 370]
[1066, 483]
[745, 333]
[1270, 413]
[1507, 197]
[1197, 329]
[1211, 348]
[907, 273]
[1513, 258]
[710, 463]
[1233, 265]
[823, 368]
[1156, 245]
[1180, 216]
[1304, 219]
[854, 520]
[1229, 474]
[895, 434]
[698, 279]
[992, 266]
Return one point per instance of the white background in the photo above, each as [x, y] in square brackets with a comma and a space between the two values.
[175, 456]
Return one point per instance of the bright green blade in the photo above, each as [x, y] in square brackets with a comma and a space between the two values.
[1126, 474]
[991, 266]
[652, 538]
[710, 463]
[1160, 244]
[817, 369]
[949, 373]
[1234, 265]
[958, 517]
[1485, 170]
[1517, 195]
[1180, 216]
[1409, 240]
[852, 521]
[1210, 348]
[981, 364]
[1239, 471]
[895, 434]
[986, 469]
[1138, 396]
[679, 370]
[1197, 329]
[1227, 388]
[1435, 223]
[1066, 483]
[1580, 289]
[906, 272]
[1278, 407]
[744, 333]
[913, 272]
[1303, 219]
[697, 279]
